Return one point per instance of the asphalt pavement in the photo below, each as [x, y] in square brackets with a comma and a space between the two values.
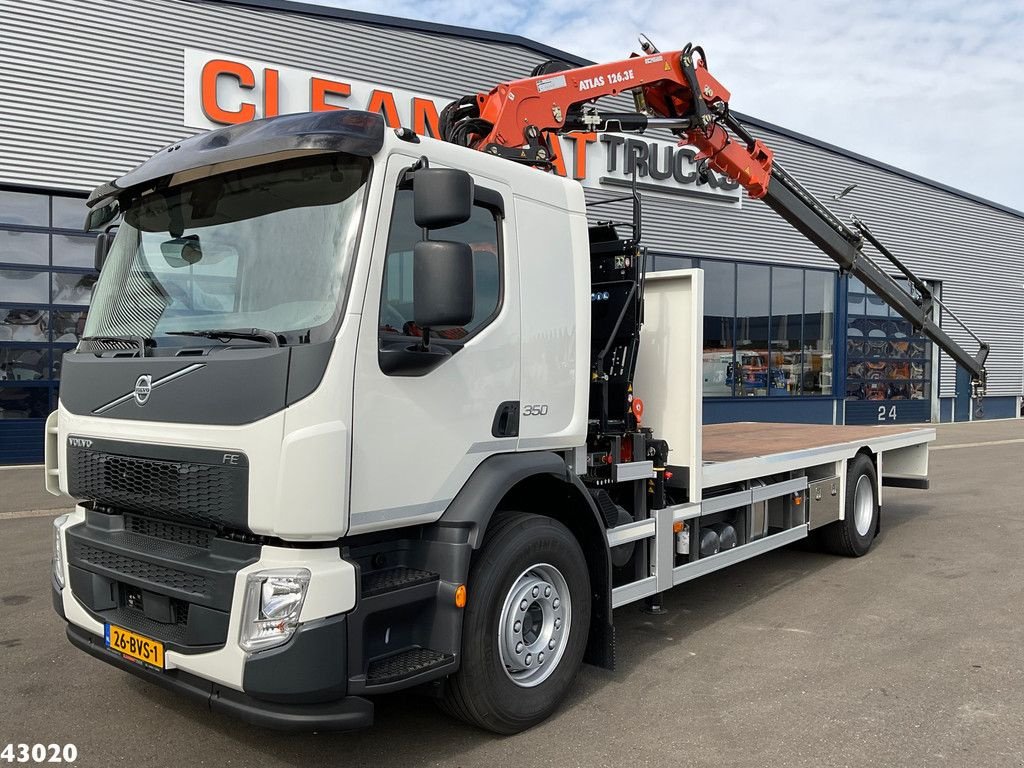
[910, 656]
[22, 491]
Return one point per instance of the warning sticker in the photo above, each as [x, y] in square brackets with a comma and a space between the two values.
[551, 83]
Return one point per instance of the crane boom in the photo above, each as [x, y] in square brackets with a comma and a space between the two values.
[519, 119]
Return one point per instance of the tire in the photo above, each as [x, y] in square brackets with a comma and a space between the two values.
[522, 557]
[853, 535]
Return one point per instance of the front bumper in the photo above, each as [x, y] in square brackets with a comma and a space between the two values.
[348, 713]
[302, 684]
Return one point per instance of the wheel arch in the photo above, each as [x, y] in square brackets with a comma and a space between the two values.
[866, 451]
[542, 483]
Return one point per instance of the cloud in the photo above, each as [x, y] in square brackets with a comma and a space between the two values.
[932, 86]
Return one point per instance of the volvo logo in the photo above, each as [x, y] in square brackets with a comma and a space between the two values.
[143, 387]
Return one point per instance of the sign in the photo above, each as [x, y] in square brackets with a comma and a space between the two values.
[607, 160]
[887, 411]
[223, 89]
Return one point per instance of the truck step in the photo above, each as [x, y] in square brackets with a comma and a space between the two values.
[405, 665]
[390, 579]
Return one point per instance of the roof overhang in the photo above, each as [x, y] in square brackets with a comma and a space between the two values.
[253, 143]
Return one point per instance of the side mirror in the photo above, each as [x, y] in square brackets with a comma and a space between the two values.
[100, 215]
[442, 197]
[442, 283]
[104, 240]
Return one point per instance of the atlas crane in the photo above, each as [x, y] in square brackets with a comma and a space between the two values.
[674, 90]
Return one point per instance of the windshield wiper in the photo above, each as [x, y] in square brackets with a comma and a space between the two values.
[223, 334]
[138, 341]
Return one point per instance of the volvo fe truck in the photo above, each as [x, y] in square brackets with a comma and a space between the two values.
[359, 411]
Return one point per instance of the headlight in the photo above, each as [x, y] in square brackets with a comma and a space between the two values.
[270, 613]
[58, 550]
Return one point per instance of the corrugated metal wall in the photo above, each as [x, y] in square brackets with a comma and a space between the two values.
[88, 90]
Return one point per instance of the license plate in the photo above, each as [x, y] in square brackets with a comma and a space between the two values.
[135, 646]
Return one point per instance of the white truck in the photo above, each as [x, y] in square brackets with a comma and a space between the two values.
[359, 411]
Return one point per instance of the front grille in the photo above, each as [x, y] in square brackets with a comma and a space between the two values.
[214, 494]
[163, 576]
[168, 531]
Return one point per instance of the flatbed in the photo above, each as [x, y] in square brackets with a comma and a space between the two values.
[740, 451]
[749, 440]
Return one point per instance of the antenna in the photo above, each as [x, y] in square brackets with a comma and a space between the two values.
[845, 192]
[647, 46]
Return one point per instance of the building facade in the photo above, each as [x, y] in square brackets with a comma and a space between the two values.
[91, 90]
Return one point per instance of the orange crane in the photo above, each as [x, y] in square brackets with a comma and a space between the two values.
[674, 90]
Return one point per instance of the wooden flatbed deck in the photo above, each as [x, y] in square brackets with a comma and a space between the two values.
[751, 440]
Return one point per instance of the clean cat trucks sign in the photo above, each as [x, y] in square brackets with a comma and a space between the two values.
[223, 89]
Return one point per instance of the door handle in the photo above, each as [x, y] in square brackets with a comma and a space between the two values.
[506, 420]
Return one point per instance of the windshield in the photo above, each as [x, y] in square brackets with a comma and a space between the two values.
[267, 247]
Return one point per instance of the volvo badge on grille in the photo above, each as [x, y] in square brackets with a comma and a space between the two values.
[143, 386]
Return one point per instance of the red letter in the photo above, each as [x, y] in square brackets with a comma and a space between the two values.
[424, 117]
[580, 140]
[271, 91]
[558, 163]
[319, 90]
[384, 101]
[212, 70]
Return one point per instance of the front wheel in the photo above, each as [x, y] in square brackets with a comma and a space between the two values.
[525, 625]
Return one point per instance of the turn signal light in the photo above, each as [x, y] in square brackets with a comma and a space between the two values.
[677, 527]
[460, 596]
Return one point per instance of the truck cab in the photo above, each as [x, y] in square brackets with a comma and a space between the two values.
[207, 460]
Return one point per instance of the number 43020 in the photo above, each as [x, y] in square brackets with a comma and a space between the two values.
[39, 753]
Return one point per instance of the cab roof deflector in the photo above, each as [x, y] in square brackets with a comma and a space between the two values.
[350, 131]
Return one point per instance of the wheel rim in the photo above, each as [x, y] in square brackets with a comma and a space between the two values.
[534, 625]
[863, 505]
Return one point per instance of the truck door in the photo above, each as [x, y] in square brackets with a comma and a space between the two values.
[419, 434]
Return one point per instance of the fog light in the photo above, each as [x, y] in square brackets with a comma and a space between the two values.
[58, 550]
[270, 612]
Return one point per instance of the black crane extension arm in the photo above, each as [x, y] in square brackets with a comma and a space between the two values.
[809, 216]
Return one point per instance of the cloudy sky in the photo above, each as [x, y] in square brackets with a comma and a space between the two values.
[932, 86]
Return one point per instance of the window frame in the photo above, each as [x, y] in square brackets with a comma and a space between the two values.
[838, 348]
[490, 200]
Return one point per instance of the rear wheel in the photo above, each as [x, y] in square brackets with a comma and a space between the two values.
[853, 535]
[525, 625]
